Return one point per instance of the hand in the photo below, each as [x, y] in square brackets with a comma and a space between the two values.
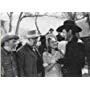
[53, 61]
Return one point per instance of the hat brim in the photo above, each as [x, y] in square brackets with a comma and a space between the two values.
[32, 36]
[59, 29]
[76, 29]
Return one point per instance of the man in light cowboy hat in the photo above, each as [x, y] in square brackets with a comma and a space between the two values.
[8, 58]
[74, 59]
[27, 57]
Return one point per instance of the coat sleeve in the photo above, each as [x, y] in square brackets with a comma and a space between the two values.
[45, 60]
[68, 54]
[20, 63]
[83, 55]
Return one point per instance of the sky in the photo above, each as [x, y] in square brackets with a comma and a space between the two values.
[44, 23]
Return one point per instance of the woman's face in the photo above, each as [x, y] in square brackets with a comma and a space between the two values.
[53, 43]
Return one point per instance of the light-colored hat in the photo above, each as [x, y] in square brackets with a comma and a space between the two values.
[32, 34]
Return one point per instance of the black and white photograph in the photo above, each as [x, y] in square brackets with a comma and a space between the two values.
[45, 44]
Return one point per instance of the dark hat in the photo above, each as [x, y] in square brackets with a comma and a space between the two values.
[76, 29]
[8, 37]
[51, 29]
[69, 24]
[60, 28]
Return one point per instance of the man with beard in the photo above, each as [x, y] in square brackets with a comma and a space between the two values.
[74, 59]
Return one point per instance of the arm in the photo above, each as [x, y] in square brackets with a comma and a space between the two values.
[20, 63]
[83, 55]
[48, 66]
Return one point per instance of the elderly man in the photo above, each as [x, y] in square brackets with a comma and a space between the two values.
[28, 58]
[8, 58]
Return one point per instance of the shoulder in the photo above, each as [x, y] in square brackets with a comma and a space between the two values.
[21, 49]
[68, 44]
[62, 42]
[46, 54]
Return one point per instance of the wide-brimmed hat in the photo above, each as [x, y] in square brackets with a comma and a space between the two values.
[32, 34]
[69, 24]
[8, 37]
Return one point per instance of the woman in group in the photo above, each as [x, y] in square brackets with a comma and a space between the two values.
[50, 58]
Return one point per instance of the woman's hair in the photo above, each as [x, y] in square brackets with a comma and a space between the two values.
[42, 47]
[48, 46]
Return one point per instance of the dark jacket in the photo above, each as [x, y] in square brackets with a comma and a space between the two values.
[74, 59]
[40, 68]
[8, 63]
[27, 62]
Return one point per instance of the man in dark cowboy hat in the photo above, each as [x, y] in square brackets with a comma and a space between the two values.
[8, 58]
[27, 57]
[74, 58]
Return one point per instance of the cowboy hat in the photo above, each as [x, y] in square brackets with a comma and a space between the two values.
[69, 24]
[8, 37]
[32, 34]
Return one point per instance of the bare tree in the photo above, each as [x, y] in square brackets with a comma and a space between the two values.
[18, 23]
[25, 15]
[3, 26]
[88, 18]
[71, 15]
[10, 15]
[36, 17]
[87, 15]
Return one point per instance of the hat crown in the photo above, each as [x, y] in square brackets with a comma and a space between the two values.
[32, 34]
[69, 23]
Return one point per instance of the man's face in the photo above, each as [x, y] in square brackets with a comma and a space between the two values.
[64, 33]
[32, 41]
[69, 34]
[11, 44]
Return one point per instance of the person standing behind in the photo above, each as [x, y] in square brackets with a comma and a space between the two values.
[8, 58]
[27, 58]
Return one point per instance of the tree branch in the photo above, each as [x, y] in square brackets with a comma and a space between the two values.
[8, 14]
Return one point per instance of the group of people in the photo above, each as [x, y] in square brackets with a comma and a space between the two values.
[44, 55]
